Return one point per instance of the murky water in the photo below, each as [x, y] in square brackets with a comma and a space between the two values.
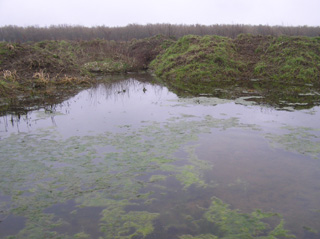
[133, 160]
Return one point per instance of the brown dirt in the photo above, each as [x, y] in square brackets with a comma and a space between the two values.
[250, 49]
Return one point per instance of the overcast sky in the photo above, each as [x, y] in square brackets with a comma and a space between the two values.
[124, 12]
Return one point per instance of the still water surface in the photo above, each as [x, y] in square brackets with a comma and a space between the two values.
[130, 159]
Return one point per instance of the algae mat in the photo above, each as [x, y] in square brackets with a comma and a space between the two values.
[42, 170]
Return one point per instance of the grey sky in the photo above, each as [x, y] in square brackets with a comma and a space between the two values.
[124, 12]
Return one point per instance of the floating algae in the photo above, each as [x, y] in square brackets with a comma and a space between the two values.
[156, 178]
[302, 140]
[228, 223]
[119, 224]
[43, 169]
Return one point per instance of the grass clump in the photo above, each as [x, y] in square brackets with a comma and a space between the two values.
[196, 59]
[8, 82]
[108, 66]
[291, 59]
[10, 76]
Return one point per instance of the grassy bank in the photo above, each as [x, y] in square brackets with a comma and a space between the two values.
[213, 58]
[275, 68]
[267, 66]
[295, 59]
[48, 68]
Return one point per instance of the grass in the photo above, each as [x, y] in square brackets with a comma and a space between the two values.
[200, 65]
[196, 64]
[214, 58]
[291, 59]
[108, 66]
[194, 58]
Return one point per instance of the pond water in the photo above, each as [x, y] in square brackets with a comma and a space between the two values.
[130, 159]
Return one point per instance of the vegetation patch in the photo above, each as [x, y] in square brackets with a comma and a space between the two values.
[302, 140]
[47, 69]
[280, 70]
[198, 62]
[119, 224]
[107, 66]
[43, 169]
[291, 60]
[228, 223]
[192, 65]
[195, 59]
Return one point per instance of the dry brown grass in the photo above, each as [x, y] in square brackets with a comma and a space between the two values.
[41, 77]
[70, 80]
[10, 47]
[10, 75]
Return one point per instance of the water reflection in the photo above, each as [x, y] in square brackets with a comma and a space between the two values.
[284, 95]
[120, 101]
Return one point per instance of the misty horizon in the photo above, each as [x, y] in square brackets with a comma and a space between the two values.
[122, 13]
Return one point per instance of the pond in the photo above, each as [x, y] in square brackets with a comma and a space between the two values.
[131, 159]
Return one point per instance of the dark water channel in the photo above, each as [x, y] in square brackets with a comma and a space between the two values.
[130, 159]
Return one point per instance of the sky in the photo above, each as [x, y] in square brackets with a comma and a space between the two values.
[114, 13]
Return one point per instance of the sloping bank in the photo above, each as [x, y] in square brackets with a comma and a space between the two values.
[31, 73]
[199, 65]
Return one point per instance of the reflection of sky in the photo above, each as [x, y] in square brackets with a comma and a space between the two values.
[131, 102]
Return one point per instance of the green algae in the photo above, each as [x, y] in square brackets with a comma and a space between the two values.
[204, 236]
[43, 169]
[303, 140]
[157, 178]
[228, 223]
[311, 230]
[119, 224]
[82, 235]
[188, 177]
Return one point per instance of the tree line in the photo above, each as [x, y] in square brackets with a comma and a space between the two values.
[136, 31]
